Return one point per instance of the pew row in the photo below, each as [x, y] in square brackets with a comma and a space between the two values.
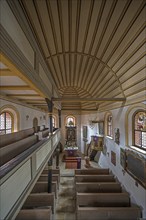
[54, 172]
[41, 187]
[44, 178]
[7, 139]
[94, 187]
[103, 199]
[10, 151]
[93, 171]
[34, 214]
[108, 213]
[95, 178]
[35, 200]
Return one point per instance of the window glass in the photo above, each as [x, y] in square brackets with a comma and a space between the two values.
[70, 121]
[5, 123]
[109, 126]
[140, 130]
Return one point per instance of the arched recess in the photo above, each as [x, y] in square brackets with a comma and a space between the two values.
[129, 123]
[35, 124]
[12, 110]
[70, 120]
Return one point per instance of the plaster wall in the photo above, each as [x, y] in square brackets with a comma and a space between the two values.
[23, 111]
[137, 192]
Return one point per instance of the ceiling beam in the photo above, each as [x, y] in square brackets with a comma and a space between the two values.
[79, 109]
[6, 72]
[15, 88]
[89, 99]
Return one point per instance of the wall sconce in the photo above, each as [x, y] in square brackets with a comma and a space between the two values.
[123, 171]
[107, 154]
[44, 117]
[27, 117]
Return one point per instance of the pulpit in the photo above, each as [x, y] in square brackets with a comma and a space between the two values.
[95, 146]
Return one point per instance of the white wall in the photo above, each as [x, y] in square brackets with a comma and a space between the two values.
[137, 192]
[23, 111]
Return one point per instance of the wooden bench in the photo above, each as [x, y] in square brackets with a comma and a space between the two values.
[34, 214]
[103, 199]
[41, 187]
[7, 139]
[98, 187]
[93, 171]
[94, 178]
[41, 200]
[108, 213]
[10, 151]
[44, 178]
[54, 171]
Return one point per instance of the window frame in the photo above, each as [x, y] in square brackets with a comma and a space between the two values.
[109, 127]
[12, 123]
[133, 130]
[67, 123]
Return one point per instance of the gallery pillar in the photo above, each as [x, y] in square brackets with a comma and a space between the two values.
[50, 175]
[57, 156]
[59, 115]
[50, 112]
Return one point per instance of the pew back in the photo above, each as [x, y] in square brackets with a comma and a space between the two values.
[34, 214]
[94, 178]
[108, 213]
[95, 187]
[7, 139]
[93, 171]
[103, 199]
[40, 200]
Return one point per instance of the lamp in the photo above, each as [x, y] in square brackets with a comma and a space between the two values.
[27, 117]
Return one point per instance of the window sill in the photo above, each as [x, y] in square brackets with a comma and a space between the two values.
[138, 150]
[110, 137]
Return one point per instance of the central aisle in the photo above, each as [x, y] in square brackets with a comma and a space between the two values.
[65, 204]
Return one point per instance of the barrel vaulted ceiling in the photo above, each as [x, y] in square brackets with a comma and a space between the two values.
[94, 49]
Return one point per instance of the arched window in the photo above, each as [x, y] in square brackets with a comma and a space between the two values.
[109, 126]
[54, 121]
[70, 121]
[6, 123]
[140, 129]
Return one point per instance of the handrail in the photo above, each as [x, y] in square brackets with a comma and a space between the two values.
[19, 176]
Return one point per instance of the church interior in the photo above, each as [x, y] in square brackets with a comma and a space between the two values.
[72, 110]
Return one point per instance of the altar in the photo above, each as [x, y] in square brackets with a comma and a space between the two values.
[71, 157]
[71, 151]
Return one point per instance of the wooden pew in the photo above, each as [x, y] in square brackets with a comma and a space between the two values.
[41, 187]
[103, 199]
[95, 187]
[54, 172]
[93, 171]
[108, 213]
[44, 178]
[34, 214]
[40, 200]
[94, 178]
